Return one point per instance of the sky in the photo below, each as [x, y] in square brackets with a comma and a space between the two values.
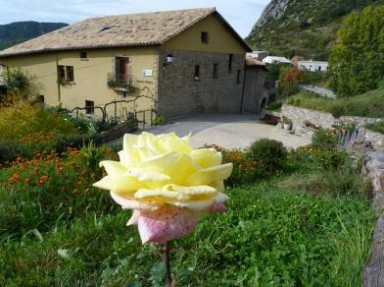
[241, 14]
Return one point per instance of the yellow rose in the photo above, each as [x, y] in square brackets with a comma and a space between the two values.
[166, 182]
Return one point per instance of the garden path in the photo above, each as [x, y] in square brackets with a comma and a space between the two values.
[320, 91]
[229, 131]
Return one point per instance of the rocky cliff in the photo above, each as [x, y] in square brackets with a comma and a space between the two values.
[303, 27]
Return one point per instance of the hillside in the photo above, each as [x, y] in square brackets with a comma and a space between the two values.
[302, 27]
[14, 33]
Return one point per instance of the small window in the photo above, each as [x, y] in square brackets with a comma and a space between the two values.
[238, 77]
[83, 55]
[41, 98]
[61, 72]
[196, 74]
[230, 60]
[204, 37]
[65, 74]
[69, 73]
[215, 73]
[89, 107]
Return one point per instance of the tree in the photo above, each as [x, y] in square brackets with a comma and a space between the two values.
[289, 80]
[356, 63]
[18, 86]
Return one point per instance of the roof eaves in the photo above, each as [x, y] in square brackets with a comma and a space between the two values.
[48, 50]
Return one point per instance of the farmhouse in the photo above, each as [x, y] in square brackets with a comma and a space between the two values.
[177, 62]
[313, 66]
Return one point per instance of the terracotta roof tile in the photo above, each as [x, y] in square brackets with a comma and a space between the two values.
[142, 29]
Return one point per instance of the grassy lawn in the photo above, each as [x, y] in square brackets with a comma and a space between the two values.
[298, 228]
[295, 218]
[370, 104]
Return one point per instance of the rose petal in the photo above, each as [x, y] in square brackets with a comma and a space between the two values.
[211, 174]
[165, 224]
[134, 218]
[207, 157]
[171, 142]
[133, 204]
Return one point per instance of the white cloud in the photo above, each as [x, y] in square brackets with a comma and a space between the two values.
[241, 14]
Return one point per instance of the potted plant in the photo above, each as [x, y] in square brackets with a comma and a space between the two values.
[287, 123]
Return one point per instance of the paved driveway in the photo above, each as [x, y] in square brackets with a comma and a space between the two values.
[230, 131]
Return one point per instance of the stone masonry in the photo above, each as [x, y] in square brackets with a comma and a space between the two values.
[180, 93]
[301, 116]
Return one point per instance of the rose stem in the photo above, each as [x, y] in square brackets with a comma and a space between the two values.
[168, 275]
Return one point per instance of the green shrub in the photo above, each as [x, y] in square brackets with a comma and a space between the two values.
[332, 159]
[10, 150]
[91, 155]
[337, 110]
[24, 120]
[274, 106]
[325, 139]
[159, 120]
[245, 170]
[76, 141]
[271, 153]
[47, 191]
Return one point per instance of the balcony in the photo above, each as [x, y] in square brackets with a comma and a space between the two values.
[119, 82]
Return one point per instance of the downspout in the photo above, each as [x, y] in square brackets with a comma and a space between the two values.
[243, 89]
[58, 82]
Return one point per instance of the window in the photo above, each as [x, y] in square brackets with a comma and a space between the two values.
[238, 77]
[65, 73]
[61, 72]
[89, 107]
[204, 37]
[230, 60]
[196, 74]
[215, 73]
[69, 73]
[83, 55]
[121, 71]
[41, 98]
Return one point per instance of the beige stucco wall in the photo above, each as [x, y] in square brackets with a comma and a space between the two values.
[91, 77]
[171, 86]
[220, 38]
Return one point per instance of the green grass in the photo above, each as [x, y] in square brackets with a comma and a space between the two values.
[370, 104]
[377, 127]
[309, 224]
[271, 236]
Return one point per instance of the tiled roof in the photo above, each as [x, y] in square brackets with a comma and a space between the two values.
[250, 61]
[142, 29]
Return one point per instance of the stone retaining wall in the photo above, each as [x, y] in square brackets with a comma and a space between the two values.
[300, 116]
[374, 170]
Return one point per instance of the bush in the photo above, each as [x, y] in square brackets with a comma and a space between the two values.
[274, 106]
[24, 120]
[245, 170]
[49, 190]
[10, 150]
[159, 120]
[271, 153]
[337, 110]
[325, 139]
[76, 141]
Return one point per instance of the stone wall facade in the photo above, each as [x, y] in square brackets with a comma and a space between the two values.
[254, 95]
[201, 83]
